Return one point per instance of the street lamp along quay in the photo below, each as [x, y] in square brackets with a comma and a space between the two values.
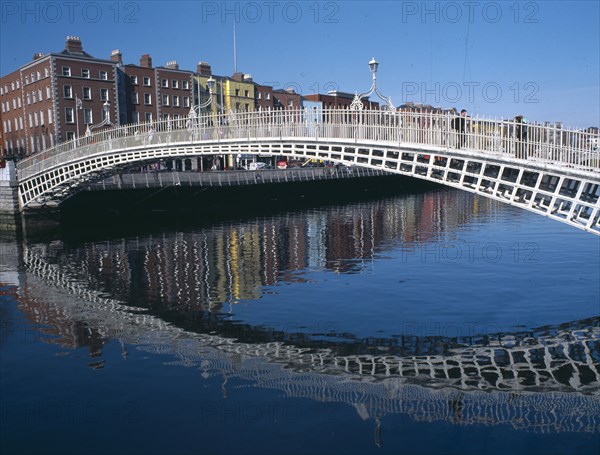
[195, 110]
[357, 104]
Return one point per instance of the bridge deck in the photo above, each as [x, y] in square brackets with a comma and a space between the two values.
[547, 170]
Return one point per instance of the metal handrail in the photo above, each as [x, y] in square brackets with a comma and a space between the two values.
[529, 142]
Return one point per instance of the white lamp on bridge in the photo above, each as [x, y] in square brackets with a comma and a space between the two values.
[357, 104]
[195, 109]
[105, 119]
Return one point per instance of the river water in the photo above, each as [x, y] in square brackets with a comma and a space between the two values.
[426, 322]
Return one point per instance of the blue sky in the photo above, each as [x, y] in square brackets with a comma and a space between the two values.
[494, 58]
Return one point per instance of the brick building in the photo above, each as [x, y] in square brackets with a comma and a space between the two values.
[339, 100]
[287, 99]
[152, 94]
[55, 97]
[263, 97]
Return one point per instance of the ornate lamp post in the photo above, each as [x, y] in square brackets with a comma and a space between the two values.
[357, 104]
[78, 107]
[196, 109]
[105, 120]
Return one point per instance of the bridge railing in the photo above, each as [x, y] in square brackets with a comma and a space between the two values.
[572, 148]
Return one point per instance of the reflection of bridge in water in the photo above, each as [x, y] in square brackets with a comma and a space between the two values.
[544, 380]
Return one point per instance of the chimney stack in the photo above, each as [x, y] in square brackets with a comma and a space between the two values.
[172, 65]
[116, 56]
[73, 45]
[204, 69]
[37, 56]
[146, 61]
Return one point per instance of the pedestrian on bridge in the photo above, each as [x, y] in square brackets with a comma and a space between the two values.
[460, 125]
[520, 137]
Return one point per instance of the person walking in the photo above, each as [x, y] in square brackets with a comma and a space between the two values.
[520, 137]
[460, 125]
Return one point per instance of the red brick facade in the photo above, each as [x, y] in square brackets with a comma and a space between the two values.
[39, 100]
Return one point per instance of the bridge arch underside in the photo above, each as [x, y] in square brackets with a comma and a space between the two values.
[570, 197]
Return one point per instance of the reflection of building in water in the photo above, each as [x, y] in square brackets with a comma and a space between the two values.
[229, 263]
[546, 380]
[543, 381]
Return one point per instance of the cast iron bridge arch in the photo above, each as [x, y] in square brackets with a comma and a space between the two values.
[549, 170]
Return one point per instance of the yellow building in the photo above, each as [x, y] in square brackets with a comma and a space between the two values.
[231, 93]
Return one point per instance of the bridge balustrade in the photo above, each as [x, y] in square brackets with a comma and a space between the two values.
[571, 148]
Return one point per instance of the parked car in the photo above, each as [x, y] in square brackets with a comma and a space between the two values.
[255, 166]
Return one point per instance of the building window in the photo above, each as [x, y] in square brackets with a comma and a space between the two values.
[87, 116]
[18, 85]
[148, 116]
[34, 99]
[85, 73]
[146, 81]
[66, 71]
[46, 73]
[165, 83]
[186, 101]
[68, 91]
[259, 95]
[237, 92]
[28, 102]
[165, 100]
[19, 101]
[48, 95]
[147, 99]
[175, 101]
[246, 93]
[135, 117]
[87, 93]
[12, 85]
[70, 135]
[15, 103]
[104, 75]
[41, 118]
[185, 85]
[69, 118]
[49, 116]
[104, 94]
[104, 114]
[133, 79]
[267, 96]
[134, 98]
[35, 119]
[175, 83]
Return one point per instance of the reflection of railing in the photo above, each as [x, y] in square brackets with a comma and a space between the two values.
[572, 148]
[541, 387]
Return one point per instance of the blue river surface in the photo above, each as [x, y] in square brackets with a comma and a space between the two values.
[435, 322]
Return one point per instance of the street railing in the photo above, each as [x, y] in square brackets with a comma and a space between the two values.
[523, 141]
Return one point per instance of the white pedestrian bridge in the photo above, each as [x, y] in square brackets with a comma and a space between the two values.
[548, 170]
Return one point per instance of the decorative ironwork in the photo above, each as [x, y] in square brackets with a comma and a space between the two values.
[357, 103]
[553, 172]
